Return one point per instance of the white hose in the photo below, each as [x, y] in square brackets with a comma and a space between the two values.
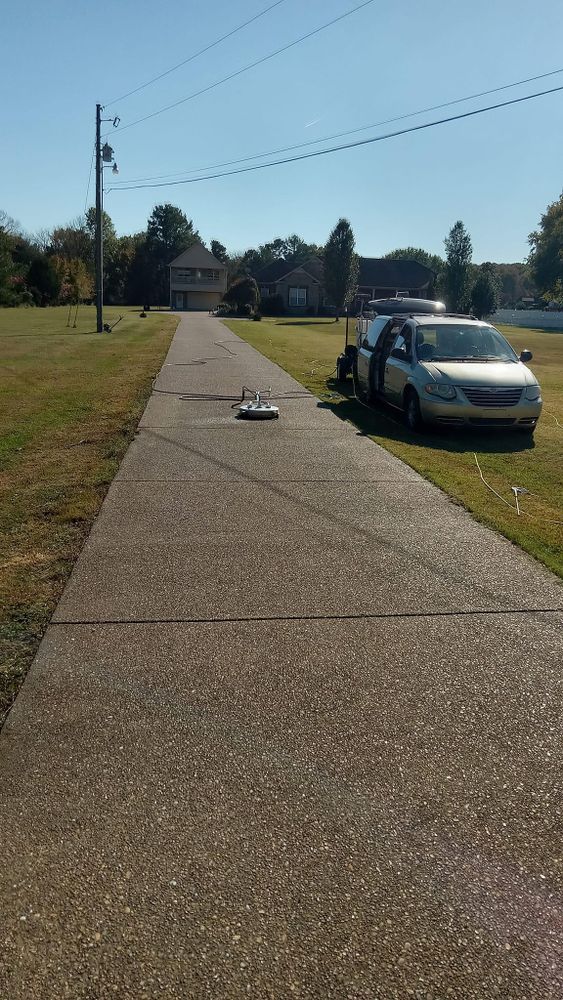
[548, 520]
[550, 414]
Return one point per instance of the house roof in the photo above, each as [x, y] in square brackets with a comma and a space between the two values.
[383, 272]
[279, 269]
[196, 256]
[375, 272]
[315, 267]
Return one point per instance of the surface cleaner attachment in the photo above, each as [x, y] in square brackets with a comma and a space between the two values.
[257, 408]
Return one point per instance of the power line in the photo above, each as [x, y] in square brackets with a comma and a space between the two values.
[245, 69]
[89, 178]
[338, 135]
[195, 55]
[347, 145]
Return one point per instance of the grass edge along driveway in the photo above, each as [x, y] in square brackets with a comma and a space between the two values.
[70, 401]
[307, 349]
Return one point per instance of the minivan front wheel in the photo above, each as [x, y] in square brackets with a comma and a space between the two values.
[413, 416]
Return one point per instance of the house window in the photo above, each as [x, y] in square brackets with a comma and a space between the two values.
[297, 297]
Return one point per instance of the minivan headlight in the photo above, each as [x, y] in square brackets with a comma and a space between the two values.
[532, 392]
[440, 389]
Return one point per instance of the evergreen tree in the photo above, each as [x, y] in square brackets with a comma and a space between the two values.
[169, 233]
[7, 270]
[457, 272]
[485, 291]
[109, 235]
[137, 282]
[296, 250]
[219, 251]
[44, 282]
[340, 266]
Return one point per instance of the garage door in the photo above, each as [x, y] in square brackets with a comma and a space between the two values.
[203, 300]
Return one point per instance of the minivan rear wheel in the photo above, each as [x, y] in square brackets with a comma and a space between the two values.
[413, 416]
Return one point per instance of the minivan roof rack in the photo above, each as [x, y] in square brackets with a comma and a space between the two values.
[446, 315]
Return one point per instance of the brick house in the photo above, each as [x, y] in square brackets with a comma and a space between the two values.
[302, 289]
[301, 286]
[383, 278]
[197, 279]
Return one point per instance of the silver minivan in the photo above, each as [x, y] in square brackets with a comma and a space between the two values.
[445, 369]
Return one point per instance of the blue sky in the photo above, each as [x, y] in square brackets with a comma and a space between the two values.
[496, 172]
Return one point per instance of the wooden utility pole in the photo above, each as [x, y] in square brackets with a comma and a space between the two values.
[99, 245]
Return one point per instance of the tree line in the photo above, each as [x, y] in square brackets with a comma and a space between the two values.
[465, 286]
[56, 266]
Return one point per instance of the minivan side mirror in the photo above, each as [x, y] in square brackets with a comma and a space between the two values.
[526, 355]
[399, 354]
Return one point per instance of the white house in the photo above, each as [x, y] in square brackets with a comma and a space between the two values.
[197, 279]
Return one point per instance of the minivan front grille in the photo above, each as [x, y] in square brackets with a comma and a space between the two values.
[481, 396]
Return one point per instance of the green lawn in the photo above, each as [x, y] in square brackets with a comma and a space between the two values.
[307, 349]
[70, 400]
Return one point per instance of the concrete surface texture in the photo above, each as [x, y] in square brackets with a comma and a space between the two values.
[295, 729]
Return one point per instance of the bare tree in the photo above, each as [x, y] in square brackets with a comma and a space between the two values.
[8, 224]
[42, 239]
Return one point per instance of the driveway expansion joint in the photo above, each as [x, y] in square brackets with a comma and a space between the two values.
[309, 618]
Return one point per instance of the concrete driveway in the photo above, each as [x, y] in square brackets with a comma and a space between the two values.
[295, 729]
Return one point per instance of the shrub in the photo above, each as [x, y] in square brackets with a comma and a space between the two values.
[242, 292]
[245, 309]
[257, 317]
[272, 305]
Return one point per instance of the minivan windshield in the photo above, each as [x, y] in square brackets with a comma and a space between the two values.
[462, 342]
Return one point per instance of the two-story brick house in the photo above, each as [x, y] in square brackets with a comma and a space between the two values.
[197, 280]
